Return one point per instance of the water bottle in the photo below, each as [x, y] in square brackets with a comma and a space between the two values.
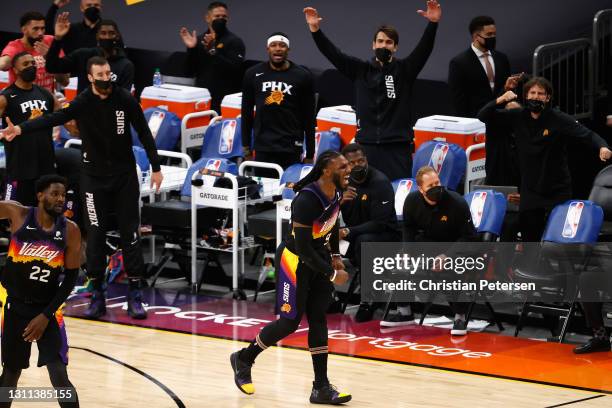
[157, 78]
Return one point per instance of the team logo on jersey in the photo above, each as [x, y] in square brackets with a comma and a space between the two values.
[278, 90]
[36, 113]
[24, 252]
[228, 131]
[120, 122]
[572, 219]
[477, 207]
[286, 308]
[390, 84]
[36, 107]
[546, 132]
[438, 156]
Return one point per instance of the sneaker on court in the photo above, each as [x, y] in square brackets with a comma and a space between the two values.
[328, 394]
[398, 319]
[135, 308]
[593, 345]
[97, 306]
[459, 328]
[242, 374]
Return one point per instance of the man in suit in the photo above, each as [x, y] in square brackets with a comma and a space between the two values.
[475, 76]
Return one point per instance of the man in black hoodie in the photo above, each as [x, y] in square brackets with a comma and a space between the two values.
[104, 113]
[109, 46]
[368, 211]
[383, 90]
[215, 58]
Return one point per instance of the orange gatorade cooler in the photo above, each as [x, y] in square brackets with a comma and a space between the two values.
[71, 90]
[340, 119]
[178, 99]
[4, 79]
[464, 132]
[231, 105]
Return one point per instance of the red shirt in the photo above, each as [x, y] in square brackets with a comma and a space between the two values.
[43, 78]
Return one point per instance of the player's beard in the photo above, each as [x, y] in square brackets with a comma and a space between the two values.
[51, 210]
[337, 179]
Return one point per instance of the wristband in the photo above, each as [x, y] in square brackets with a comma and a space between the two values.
[337, 255]
[334, 275]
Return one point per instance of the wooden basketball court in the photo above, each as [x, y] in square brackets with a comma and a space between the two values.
[116, 365]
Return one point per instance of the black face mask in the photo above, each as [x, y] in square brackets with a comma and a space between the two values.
[219, 26]
[534, 105]
[383, 54]
[102, 85]
[108, 44]
[359, 174]
[489, 43]
[92, 14]
[28, 74]
[435, 193]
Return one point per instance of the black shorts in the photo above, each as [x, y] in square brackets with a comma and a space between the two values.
[52, 346]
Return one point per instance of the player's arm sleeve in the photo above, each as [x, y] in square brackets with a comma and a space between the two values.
[347, 65]
[415, 62]
[54, 119]
[334, 240]
[248, 102]
[50, 19]
[139, 122]
[308, 116]
[576, 130]
[492, 113]
[55, 64]
[305, 210]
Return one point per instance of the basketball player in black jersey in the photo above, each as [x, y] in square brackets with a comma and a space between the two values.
[30, 157]
[43, 245]
[307, 272]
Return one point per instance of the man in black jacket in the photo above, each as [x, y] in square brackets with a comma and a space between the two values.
[542, 137]
[82, 34]
[104, 113]
[434, 214]
[368, 211]
[109, 46]
[476, 76]
[216, 57]
[383, 90]
[283, 95]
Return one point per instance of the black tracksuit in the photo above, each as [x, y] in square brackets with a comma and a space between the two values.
[108, 180]
[29, 157]
[450, 220]
[370, 216]
[122, 69]
[383, 101]
[219, 71]
[80, 34]
[285, 112]
[542, 153]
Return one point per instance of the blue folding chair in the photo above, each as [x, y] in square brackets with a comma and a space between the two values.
[223, 139]
[569, 238]
[292, 175]
[325, 141]
[165, 127]
[488, 209]
[215, 163]
[448, 159]
[402, 187]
